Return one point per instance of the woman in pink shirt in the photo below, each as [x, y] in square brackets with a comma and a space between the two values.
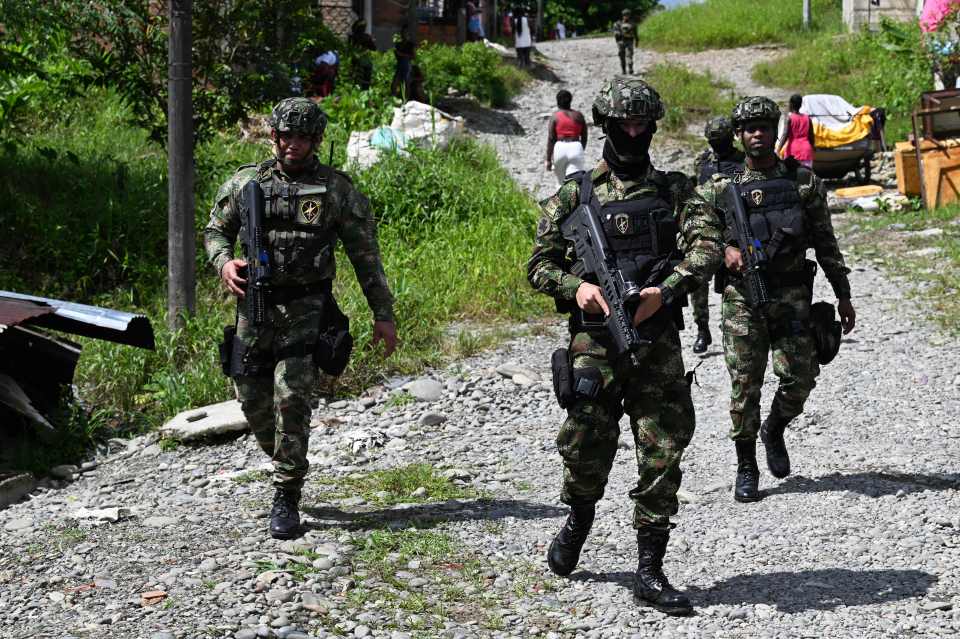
[798, 136]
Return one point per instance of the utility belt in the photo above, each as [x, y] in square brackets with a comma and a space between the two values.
[774, 280]
[331, 351]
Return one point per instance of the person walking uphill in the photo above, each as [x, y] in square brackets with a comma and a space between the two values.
[787, 213]
[636, 206]
[307, 207]
[625, 34]
[798, 135]
[566, 138]
[722, 157]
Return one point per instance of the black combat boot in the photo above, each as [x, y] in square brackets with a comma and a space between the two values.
[285, 515]
[771, 432]
[564, 552]
[650, 585]
[748, 475]
[704, 338]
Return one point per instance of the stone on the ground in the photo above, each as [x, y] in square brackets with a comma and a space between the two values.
[216, 419]
[425, 389]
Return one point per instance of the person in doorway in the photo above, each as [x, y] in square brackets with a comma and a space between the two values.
[523, 39]
[475, 22]
[797, 135]
[566, 138]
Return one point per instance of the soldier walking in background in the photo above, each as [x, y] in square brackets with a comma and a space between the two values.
[724, 158]
[787, 213]
[307, 207]
[637, 206]
[625, 33]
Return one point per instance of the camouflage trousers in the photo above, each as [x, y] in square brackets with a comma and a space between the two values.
[699, 300]
[276, 402]
[625, 51]
[747, 339]
[656, 396]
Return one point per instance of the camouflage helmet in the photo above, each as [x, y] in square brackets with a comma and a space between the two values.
[626, 97]
[755, 108]
[718, 129]
[826, 331]
[625, 12]
[298, 115]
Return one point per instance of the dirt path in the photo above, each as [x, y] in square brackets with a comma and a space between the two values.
[862, 541]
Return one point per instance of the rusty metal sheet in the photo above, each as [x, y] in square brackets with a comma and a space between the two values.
[89, 321]
[16, 311]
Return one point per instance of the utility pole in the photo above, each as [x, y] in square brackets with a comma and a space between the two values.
[539, 29]
[806, 14]
[181, 276]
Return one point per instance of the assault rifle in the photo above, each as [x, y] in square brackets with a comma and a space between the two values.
[751, 251]
[258, 259]
[622, 294]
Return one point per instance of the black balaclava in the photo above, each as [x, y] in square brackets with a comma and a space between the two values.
[723, 147]
[627, 156]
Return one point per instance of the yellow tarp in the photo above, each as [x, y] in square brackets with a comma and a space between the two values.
[857, 129]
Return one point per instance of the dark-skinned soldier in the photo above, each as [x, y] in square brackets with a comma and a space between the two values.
[787, 213]
[634, 201]
[722, 157]
[309, 207]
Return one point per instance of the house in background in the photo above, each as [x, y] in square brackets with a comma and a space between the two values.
[858, 14]
[430, 20]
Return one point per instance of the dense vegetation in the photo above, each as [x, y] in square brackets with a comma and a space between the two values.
[887, 69]
[84, 179]
[720, 24]
[588, 16]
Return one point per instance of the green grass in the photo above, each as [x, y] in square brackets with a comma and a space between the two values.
[722, 24]
[397, 485]
[876, 240]
[88, 222]
[860, 68]
[252, 476]
[689, 96]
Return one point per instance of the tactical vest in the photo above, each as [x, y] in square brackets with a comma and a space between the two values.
[713, 166]
[777, 219]
[297, 222]
[642, 233]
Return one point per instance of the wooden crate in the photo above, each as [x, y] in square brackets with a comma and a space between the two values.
[937, 157]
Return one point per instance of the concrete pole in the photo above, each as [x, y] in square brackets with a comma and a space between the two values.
[181, 260]
[806, 14]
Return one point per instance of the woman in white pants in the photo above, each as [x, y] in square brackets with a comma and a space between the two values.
[566, 138]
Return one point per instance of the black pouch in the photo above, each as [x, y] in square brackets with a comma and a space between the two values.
[226, 348]
[334, 343]
[562, 377]
[720, 280]
[587, 382]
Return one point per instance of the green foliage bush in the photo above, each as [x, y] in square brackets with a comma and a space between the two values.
[887, 69]
[718, 24]
[472, 68]
[87, 211]
[689, 96]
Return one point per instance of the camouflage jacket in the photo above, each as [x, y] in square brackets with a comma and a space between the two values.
[820, 228]
[552, 254]
[624, 31]
[709, 156]
[302, 250]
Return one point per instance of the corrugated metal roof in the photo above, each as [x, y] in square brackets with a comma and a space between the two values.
[16, 311]
[80, 319]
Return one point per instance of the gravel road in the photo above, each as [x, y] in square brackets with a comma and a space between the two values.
[863, 540]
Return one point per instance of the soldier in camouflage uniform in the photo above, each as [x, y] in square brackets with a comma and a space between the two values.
[625, 34]
[788, 214]
[308, 207]
[722, 157]
[632, 198]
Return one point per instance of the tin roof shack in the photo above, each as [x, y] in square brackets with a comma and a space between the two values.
[36, 367]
